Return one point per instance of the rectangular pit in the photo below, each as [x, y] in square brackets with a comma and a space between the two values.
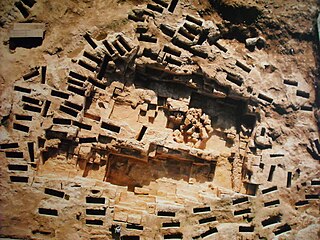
[104, 139]
[75, 82]
[103, 67]
[121, 50]
[173, 5]
[307, 108]
[265, 98]
[68, 111]
[95, 200]
[173, 236]
[14, 154]
[91, 116]
[108, 47]
[166, 214]
[54, 192]
[171, 225]
[172, 51]
[271, 172]
[43, 74]
[241, 212]
[130, 238]
[20, 127]
[88, 38]
[149, 53]
[251, 188]
[290, 82]
[31, 151]
[243, 66]
[181, 43]
[77, 76]
[142, 29]
[271, 189]
[184, 32]
[41, 142]
[87, 140]
[234, 79]
[303, 94]
[76, 90]
[198, 52]
[221, 47]
[141, 133]
[240, 200]
[312, 196]
[202, 210]
[161, 2]
[155, 7]
[173, 61]
[30, 108]
[282, 229]
[31, 74]
[246, 228]
[61, 121]
[271, 220]
[19, 179]
[23, 10]
[97, 83]
[167, 30]
[8, 145]
[134, 227]
[48, 211]
[46, 108]
[29, 3]
[207, 220]
[289, 178]
[75, 106]
[192, 28]
[51, 134]
[59, 94]
[98, 212]
[22, 89]
[82, 125]
[272, 203]
[124, 43]
[147, 38]
[96, 222]
[210, 232]
[23, 117]
[86, 65]
[302, 203]
[110, 127]
[194, 20]
[273, 155]
[92, 57]
[17, 167]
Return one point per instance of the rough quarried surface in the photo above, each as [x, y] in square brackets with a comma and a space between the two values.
[160, 120]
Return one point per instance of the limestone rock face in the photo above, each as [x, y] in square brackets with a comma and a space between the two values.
[159, 119]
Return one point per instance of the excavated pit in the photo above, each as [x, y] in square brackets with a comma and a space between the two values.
[159, 120]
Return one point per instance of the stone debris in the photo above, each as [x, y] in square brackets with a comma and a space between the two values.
[258, 42]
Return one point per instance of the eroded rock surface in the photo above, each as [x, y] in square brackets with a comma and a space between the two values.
[160, 120]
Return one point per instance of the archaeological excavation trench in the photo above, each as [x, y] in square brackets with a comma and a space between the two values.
[179, 121]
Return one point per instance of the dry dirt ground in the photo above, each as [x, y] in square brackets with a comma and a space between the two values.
[194, 123]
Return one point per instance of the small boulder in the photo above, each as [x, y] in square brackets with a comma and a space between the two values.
[213, 32]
